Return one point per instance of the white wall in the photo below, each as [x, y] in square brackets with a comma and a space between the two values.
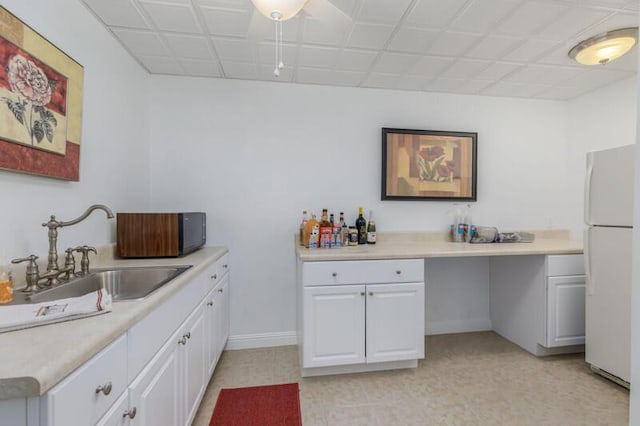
[602, 119]
[114, 157]
[634, 416]
[253, 155]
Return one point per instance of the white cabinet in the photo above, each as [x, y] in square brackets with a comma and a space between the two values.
[216, 317]
[117, 414]
[538, 302]
[192, 368]
[222, 313]
[362, 326]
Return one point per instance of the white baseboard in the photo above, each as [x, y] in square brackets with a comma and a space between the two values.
[263, 340]
[457, 326]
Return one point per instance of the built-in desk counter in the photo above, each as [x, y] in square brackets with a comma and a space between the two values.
[362, 308]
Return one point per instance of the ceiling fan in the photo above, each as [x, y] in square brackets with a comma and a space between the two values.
[282, 10]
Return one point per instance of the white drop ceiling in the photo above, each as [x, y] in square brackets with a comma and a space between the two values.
[514, 48]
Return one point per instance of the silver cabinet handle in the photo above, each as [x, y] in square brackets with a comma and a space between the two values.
[334, 274]
[398, 271]
[370, 293]
[225, 266]
[130, 413]
[362, 293]
[220, 290]
[105, 389]
[182, 341]
[187, 335]
[214, 276]
[210, 304]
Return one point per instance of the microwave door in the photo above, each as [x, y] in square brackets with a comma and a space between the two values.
[192, 232]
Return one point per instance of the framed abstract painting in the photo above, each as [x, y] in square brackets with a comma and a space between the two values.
[40, 103]
[429, 165]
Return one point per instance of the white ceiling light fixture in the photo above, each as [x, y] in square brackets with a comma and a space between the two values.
[606, 47]
[278, 11]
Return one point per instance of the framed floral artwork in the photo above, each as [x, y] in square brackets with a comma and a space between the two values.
[40, 103]
[429, 165]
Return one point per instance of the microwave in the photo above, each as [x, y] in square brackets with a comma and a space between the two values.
[160, 234]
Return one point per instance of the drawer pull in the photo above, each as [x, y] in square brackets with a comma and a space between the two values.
[188, 335]
[130, 413]
[370, 293]
[105, 389]
[182, 341]
[334, 274]
[362, 294]
[398, 271]
[225, 266]
[214, 276]
[210, 304]
[220, 290]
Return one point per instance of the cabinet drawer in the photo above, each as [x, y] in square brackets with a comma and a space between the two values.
[76, 401]
[362, 272]
[565, 264]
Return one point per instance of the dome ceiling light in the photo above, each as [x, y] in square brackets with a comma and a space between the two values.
[606, 47]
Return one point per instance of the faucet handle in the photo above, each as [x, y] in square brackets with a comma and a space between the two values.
[84, 249]
[33, 273]
[84, 262]
[31, 259]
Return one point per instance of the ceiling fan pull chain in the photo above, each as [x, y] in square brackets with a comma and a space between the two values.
[280, 64]
[276, 71]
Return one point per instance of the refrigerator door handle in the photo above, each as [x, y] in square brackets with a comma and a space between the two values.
[587, 263]
[587, 189]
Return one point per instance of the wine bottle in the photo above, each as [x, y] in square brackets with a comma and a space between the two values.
[361, 226]
[303, 226]
[371, 230]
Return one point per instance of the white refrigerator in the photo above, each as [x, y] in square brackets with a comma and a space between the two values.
[607, 253]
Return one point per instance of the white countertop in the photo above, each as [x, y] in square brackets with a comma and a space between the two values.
[33, 360]
[416, 245]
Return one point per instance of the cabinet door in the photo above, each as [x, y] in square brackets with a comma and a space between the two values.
[116, 415]
[565, 311]
[193, 368]
[223, 313]
[154, 394]
[211, 303]
[334, 324]
[395, 322]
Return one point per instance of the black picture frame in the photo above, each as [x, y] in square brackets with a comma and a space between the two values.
[429, 165]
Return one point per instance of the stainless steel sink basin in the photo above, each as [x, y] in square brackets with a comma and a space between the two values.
[122, 283]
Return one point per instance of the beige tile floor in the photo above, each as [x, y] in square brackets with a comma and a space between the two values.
[466, 379]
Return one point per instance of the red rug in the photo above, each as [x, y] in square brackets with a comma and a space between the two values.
[275, 405]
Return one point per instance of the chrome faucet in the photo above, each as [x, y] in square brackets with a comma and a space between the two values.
[53, 225]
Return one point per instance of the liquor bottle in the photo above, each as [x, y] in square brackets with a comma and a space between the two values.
[344, 230]
[312, 232]
[336, 237]
[326, 230]
[361, 226]
[303, 226]
[371, 230]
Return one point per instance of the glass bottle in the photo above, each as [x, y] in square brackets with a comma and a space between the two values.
[371, 230]
[361, 226]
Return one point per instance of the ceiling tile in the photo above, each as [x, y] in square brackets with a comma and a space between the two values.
[240, 70]
[142, 42]
[444, 85]
[234, 50]
[369, 36]
[262, 28]
[161, 64]
[619, 20]
[200, 68]
[430, 66]
[266, 73]
[472, 87]
[560, 93]
[227, 22]
[318, 57]
[571, 23]
[465, 68]
[530, 50]
[315, 31]
[633, 5]
[493, 47]
[267, 52]
[628, 62]
[168, 17]
[514, 90]
[325, 76]
[355, 60]
[435, 14]
[497, 70]
[188, 46]
[452, 44]
[412, 82]
[383, 11]
[394, 63]
[412, 40]
[121, 13]
[594, 78]
[481, 16]
[381, 80]
[543, 74]
[530, 17]
[232, 4]
[601, 3]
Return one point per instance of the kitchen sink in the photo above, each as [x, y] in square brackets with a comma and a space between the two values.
[122, 283]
